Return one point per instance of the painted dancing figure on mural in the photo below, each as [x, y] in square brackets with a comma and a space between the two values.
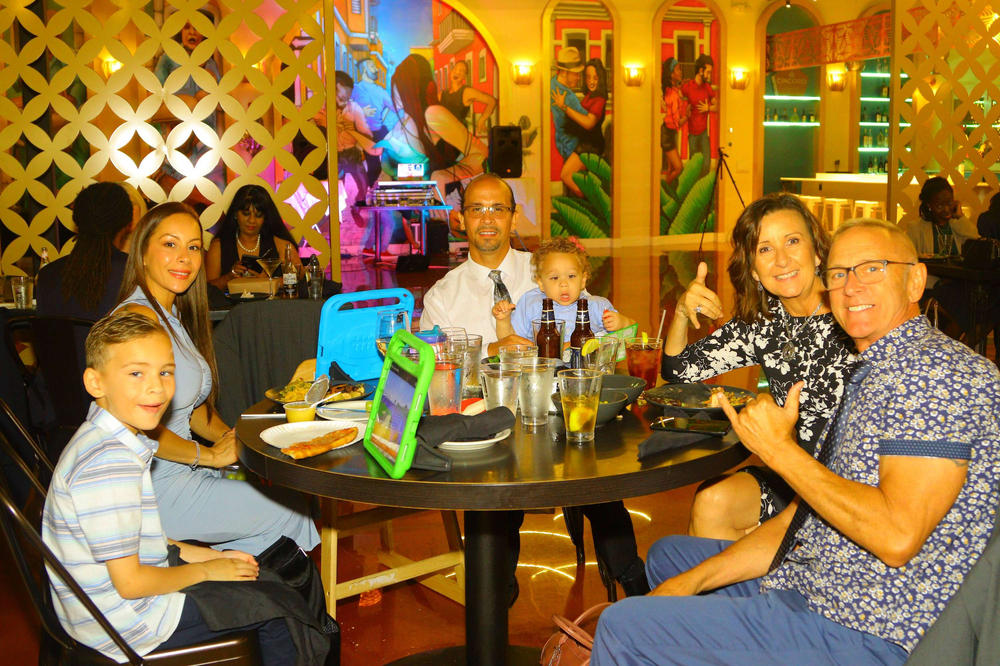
[374, 100]
[459, 96]
[569, 70]
[702, 100]
[588, 128]
[675, 114]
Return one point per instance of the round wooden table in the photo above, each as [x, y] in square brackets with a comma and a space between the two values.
[525, 471]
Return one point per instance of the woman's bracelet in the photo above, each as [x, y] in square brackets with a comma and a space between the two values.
[197, 456]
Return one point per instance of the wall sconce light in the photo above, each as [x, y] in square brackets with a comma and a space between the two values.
[738, 79]
[110, 66]
[634, 75]
[522, 73]
[837, 81]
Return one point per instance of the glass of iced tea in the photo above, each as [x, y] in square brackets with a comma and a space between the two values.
[580, 392]
[643, 357]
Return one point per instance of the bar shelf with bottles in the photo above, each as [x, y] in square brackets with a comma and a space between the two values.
[873, 136]
[790, 111]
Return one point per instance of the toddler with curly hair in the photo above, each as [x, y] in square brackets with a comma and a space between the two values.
[560, 267]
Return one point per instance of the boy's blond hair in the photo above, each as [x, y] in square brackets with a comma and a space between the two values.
[560, 245]
[115, 329]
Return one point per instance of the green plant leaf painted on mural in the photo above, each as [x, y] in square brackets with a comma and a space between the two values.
[577, 221]
[594, 192]
[665, 225]
[689, 176]
[598, 167]
[556, 227]
[665, 197]
[710, 222]
[697, 205]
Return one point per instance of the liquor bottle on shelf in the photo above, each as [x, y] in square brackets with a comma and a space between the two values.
[774, 114]
[795, 115]
[878, 116]
[784, 115]
[812, 116]
[881, 139]
[884, 91]
[767, 113]
[864, 114]
[548, 339]
[581, 334]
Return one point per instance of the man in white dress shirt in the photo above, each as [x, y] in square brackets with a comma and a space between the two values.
[466, 295]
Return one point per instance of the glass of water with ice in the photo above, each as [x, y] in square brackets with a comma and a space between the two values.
[534, 394]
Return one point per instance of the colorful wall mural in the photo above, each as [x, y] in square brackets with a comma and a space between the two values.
[689, 133]
[581, 127]
[424, 91]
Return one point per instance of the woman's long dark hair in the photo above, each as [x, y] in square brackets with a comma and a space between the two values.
[602, 78]
[192, 305]
[931, 187]
[413, 83]
[258, 198]
[751, 304]
[100, 211]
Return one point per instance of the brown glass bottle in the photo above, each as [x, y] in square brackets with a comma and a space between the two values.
[548, 340]
[581, 333]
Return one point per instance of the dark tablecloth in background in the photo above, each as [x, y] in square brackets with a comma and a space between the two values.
[258, 346]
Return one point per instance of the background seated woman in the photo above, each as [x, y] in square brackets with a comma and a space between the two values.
[251, 227]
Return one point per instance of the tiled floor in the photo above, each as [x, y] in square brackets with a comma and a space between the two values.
[409, 618]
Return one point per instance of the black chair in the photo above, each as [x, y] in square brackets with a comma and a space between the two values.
[235, 648]
[58, 380]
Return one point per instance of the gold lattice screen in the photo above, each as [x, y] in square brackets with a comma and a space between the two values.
[946, 102]
[98, 88]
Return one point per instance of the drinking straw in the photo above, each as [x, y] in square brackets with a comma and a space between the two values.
[659, 332]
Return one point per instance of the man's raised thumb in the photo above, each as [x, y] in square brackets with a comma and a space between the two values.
[792, 400]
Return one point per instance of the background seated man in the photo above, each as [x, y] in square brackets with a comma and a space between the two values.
[877, 542]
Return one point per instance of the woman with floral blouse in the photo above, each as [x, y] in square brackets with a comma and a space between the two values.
[783, 323]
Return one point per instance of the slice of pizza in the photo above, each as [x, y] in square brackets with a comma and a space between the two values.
[321, 444]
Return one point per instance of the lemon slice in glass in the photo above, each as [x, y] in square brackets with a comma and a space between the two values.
[590, 346]
[579, 417]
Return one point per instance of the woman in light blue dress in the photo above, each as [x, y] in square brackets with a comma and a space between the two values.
[164, 280]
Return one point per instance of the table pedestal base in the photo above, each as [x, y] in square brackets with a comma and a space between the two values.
[517, 655]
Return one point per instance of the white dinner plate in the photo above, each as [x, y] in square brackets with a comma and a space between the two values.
[350, 410]
[475, 444]
[284, 435]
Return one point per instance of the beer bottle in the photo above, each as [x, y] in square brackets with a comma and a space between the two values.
[548, 340]
[581, 334]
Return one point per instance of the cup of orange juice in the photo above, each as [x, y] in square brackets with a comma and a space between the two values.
[300, 411]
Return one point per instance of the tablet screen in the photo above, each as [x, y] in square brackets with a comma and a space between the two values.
[393, 411]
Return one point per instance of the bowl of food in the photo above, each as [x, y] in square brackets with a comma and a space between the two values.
[296, 391]
[610, 404]
[631, 386]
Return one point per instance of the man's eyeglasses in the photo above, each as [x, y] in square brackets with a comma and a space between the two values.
[868, 272]
[483, 211]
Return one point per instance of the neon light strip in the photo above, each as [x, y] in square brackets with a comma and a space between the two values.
[873, 150]
[880, 75]
[776, 123]
[792, 98]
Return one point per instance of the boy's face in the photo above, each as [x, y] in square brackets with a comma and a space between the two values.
[137, 381]
[560, 278]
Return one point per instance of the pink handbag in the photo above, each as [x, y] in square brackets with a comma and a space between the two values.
[571, 645]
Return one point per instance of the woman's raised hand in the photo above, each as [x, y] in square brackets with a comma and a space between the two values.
[699, 299]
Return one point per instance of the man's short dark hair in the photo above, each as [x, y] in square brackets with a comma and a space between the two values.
[492, 176]
[703, 61]
[116, 329]
[343, 79]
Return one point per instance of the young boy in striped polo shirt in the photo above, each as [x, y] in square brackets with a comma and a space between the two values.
[101, 518]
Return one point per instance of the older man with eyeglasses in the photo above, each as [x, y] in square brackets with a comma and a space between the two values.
[890, 516]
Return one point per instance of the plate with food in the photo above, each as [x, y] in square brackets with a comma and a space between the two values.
[349, 410]
[312, 438]
[246, 296]
[296, 391]
[694, 398]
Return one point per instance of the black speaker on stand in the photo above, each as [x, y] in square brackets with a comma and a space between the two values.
[505, 151]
